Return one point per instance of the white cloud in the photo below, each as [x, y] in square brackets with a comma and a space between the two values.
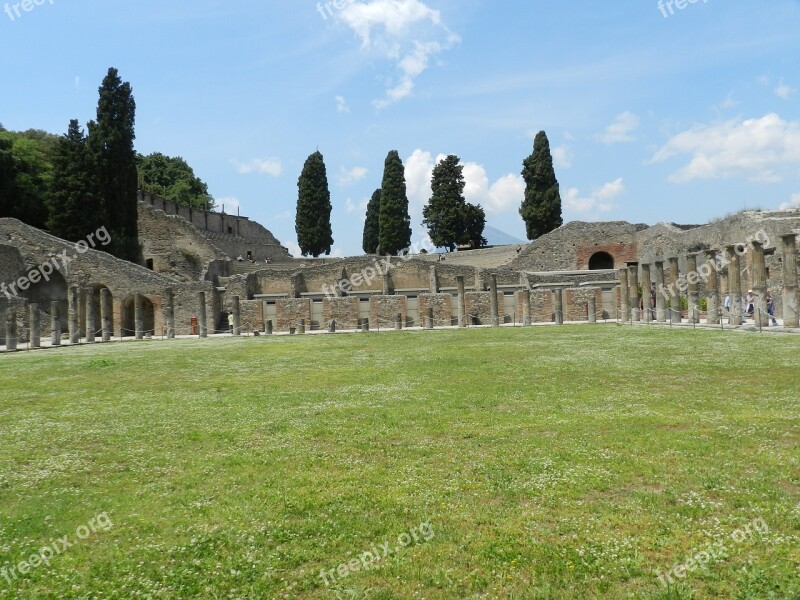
[336, 253]
[341, 105]
[562, 157]
[269, 166]
[351, 176]
[407, 32]
[793, 204]
[598, 201]
[501, 196]
[229, 202]
[756, 148]
[284, 216]
[620, 130]
[784, 91]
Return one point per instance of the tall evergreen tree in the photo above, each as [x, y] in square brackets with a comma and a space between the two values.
[541, 209]
[445, 213]
[7, 176]
[73, 205]
[394, 232]
[114, 158]
[313, 219]
[474, 223]
[372, 223]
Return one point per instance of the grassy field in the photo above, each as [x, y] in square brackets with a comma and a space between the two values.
[572, 462]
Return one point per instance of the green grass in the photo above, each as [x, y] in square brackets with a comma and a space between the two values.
[550, 462]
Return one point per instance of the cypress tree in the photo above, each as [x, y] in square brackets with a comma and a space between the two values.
[313, 218]
[541, 208]
[445, 213]
[114, 158]
[394, 232]
[474, 223]
[73, 206]
[372, 224]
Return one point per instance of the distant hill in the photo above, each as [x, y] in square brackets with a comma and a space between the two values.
[495, 237]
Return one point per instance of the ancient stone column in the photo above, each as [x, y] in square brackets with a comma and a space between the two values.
[633, 282]
[479, 283]
[387, 284]
[526, 307]
[138, 316]
[301, 327]
[91, 310]
[712, 288]
[661, 300]
[592, 308]
[398, 322]
[674, 290]
[734, 281]
[74, 312]
[11, 329]
[648, 313]
[36, 326]
[434, 280]
[106, 311]
[758, 277]
[55, 323]
[268, 327]
[495, 315]
[462, 307]
[558, 305]
[331, 326]
[429, 319]
[692, 278]
[624, 296]
[789, 243]
[237, 316]
[201, 314]
[170, 313]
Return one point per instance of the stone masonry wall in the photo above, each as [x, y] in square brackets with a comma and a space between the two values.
[443, 309]
[289, 311]
[343, 310]
[383, 311]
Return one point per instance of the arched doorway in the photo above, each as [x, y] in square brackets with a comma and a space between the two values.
[44, 293]
[601, 261]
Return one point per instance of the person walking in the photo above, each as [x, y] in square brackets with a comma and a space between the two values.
[750, 302]
[230, 322]
[771, 307]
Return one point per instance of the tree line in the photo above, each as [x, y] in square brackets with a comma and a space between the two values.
[451, 221]
[73, 184]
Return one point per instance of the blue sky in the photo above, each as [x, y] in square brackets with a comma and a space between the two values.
[681, 112]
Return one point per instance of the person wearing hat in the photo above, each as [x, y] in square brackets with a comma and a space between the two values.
[751, 307]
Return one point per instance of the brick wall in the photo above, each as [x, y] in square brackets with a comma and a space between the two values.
[479, 307]
[288, 312]
[443, 308]
[383, 310]
[343, 310]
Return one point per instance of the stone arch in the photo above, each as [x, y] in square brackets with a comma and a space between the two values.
[44, 293]
[601, 261]
[128, 316]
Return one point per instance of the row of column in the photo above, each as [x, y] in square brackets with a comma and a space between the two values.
[73, 318]
[708, 272]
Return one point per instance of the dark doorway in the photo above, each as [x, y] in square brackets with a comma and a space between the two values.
[600, 261]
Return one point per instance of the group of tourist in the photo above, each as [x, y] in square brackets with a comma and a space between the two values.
[748, 305]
